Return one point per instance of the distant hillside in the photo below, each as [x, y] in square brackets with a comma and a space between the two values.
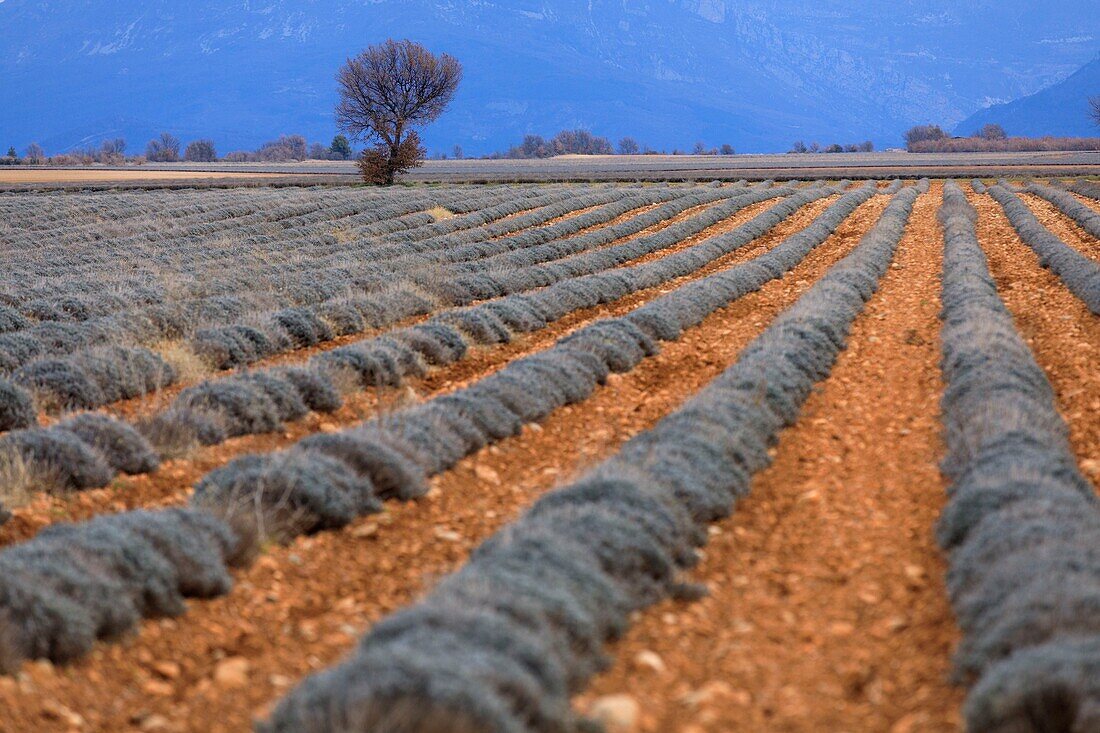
[757, 74]
[1060, 110]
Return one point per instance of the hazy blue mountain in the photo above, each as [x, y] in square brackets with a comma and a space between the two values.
[1061, 110]
[758, 74]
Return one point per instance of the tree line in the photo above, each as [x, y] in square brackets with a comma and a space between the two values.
[991, 138]
[814, 147]
[167, 148]
[583, 142]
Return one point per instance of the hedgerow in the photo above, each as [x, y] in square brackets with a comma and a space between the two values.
[76, 583]
[1079, 273]
[1022, 525]
[1086, 217]
[1087, 189]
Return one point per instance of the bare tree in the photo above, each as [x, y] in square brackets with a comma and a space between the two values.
[164, 149]
[388, 90]
[579, 142]
[992, 132]
[922, 134]
[200, 151]
[1094, 109]
[35, 155]
[628, 146]
[284, 149]
[533, 146]
[458, 152]
[115, 147]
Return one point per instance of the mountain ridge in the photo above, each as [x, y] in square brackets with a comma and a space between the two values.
[757, 74]
[1060, 110]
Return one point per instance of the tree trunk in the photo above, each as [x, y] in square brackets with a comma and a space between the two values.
[391, 168]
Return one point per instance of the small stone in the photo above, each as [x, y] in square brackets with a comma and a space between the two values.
[907, 723]
[841, 628]
[232, 673]
[651, 660]
[447, 535]
[487, 474]
[916, 574]
[155, 723]
[617, 713]
[897, 623]
[1091, 466]
[57, 711]
[869, 596]
[167, 670]
[712, 691]
[367, 530]
[157, 688]
[741, 626]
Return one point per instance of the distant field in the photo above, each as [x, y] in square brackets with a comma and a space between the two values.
[587, 382]
[701, 167]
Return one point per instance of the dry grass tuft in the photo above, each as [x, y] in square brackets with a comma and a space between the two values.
[17, 481]
[342, 235]
[188, 365]
[439, 213]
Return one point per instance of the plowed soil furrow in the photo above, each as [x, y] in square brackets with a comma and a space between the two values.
[1062, 333]
[283, 618]
[1061, 225]
[827, 609]
[171, 483]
